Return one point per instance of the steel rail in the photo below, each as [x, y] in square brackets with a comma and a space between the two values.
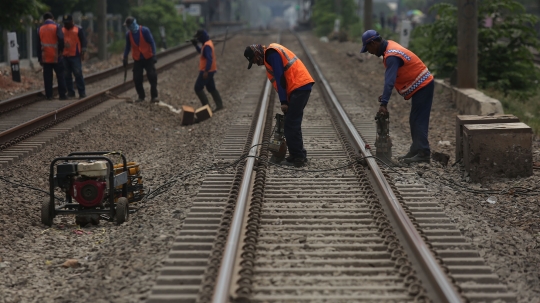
[223, 283]
[436, 280]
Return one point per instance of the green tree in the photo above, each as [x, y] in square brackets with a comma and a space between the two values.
[60, 7]
[325, 12]
[504, 58]
[12, 11]
[156, 13]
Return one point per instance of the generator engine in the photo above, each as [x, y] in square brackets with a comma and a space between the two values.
[86, 182]
[278, 145]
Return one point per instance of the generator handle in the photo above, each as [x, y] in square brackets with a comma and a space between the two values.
[102, 153]
[74, 158]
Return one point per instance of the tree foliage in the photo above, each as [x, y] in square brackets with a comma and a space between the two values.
[12, 12]
[325, 12]
[156, 13]
[60, 7]
[504, 58]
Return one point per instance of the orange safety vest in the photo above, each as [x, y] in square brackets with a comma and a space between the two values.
[413, 75]
[71, 41]
[144, 47]
[202, 64]
[49, 43]
[294, 71]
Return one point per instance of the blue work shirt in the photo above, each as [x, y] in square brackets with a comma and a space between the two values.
[393, 63]
[147, 35]
[207, 53]
[60, 36]
[274, 59]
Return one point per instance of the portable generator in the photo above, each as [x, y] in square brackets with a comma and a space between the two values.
[383, 142]
[278, 145]
[94, 187]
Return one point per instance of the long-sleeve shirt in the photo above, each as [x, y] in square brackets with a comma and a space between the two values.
[82, 40]
[207, 53]
[393, 63]
[60, 36]
[147, 36]
[274, 59]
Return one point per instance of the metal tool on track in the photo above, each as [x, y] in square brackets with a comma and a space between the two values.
[94, 187]
[278, 145]
[383, 142]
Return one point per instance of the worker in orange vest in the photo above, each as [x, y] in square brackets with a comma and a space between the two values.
[74, 50]
[50, 46]
[412, 79]
[207, 69]
[293, 83]
[139, 40]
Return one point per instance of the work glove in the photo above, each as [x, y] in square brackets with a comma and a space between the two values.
[154, 59]
[380, 98]
[194, 42]
[383, 110]
[125, 62]
[82, 55]
[284, 108]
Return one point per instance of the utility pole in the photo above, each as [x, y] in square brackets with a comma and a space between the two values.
[368, 13]
[467, 65]
[102, 29]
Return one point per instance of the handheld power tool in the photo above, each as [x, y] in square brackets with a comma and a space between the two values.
[278, 146]
[383, 142]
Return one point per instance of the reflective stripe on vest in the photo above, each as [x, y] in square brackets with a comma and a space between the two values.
[202, 64]
[143, 48]
[295, 72]
[71, 41]
[413, 75]
[49, 43]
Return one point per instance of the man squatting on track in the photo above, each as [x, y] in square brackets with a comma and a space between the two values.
[412, 79]
[293, 83]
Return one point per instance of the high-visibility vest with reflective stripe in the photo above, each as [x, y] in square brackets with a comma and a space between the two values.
[413, 75]
[49, 43]
[71, 41]
[143, 48]
[202, 64]
[295, 72]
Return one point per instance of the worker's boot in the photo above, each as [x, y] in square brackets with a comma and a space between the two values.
[217, 100]
[202, 97]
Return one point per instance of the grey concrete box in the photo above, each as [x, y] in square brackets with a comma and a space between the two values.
[498, 150]
[475, 119]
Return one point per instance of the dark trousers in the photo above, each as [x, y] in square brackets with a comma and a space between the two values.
[209, 82]
[419, 119]
[138, 68]
[73, 66]
[48, 78]
[293, 123]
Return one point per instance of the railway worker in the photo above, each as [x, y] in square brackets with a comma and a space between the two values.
[207, 69]
[139, 40]
[50, 47]
[412, 79]
[293, 83]
[74, 49]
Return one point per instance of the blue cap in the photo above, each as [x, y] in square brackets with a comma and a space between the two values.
[367, 37]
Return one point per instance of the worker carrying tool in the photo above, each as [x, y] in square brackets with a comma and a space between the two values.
[207, 69]
[293, 83]
[412, 79]
[50, 47]
[139, 39]
[74, 50]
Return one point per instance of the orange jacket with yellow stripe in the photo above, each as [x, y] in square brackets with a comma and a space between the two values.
[413, 75]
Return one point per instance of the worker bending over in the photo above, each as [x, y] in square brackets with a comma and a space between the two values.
[207, 69]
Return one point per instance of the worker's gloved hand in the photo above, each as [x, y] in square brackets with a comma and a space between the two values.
[383, 110]
[380, 98]
[125, 63]
[284, 108]
[82, 55]
[154, 59]
[194, 42]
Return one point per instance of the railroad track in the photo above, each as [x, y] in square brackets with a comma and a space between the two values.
[264, 233]
[27, 115]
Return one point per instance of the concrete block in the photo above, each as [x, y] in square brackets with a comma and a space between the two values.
[497, 150]
[470, 101]
[203, 113]
[188, 115]
[475, 119]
